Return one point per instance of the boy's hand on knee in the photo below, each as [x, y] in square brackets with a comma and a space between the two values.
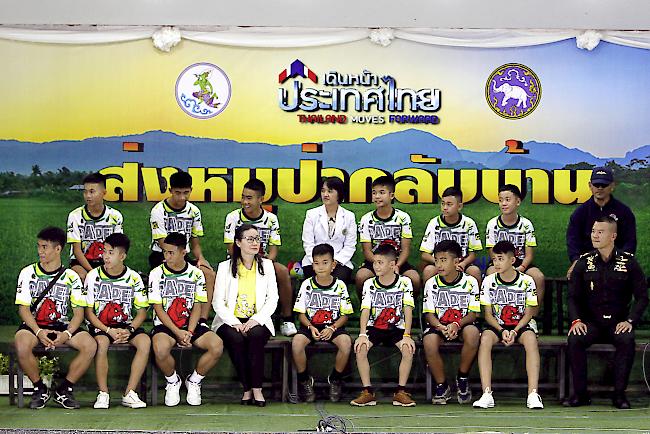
[360, 342]
[326, 334]
[409, 343]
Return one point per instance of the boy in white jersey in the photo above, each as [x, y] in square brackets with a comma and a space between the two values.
[508, 297]
[324, 305]
[385, 225]
[177, 291]
[451, 304]
[268, 226]
[510, 226]
[113, 290]
[44, 291]
[451, 225]
[386, 318]
[89, 225]
[177, 214]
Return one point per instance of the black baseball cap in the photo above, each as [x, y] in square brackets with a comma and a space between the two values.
[602, 175]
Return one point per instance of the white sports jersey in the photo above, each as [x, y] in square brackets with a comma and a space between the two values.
[375, 230]
[323, 305]
[386, 303]
[267, 225]
[165, 220]
[177, 292]
[114, 297]
[508, 299]
[521, 234]
[465, 233]
[92, 231]
[452, 301]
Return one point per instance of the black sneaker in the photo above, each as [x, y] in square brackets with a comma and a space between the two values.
[336, 389]
[66, 399]
[307, 390]
[443, 394]
[40, 397]
[463, 390]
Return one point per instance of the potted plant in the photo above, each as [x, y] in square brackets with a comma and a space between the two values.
[48, 366]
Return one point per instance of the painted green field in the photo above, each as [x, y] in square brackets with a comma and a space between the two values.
[23, 217]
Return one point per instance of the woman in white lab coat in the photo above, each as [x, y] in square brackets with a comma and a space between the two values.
[332, 224]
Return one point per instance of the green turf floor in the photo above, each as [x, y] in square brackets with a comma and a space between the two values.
[509, 415]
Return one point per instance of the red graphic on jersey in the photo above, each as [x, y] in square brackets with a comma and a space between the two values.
[95, 251]
[47, 313]
[510, 315]
[322, 317]
[178, 312]
[386, 318]
[391, 243]
[451, 315]
[113, 314]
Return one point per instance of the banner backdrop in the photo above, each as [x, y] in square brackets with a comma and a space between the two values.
[433, 116]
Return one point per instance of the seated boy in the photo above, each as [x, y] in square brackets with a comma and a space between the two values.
[177, 292]
[44, 291]
[323, 305]
[451, 302]
[386, 317]
[112, 291]
[509, 298]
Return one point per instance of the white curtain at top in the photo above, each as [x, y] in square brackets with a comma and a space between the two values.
[273, 37]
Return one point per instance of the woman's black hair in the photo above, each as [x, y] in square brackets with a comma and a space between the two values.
[335, 184]
[236, 251]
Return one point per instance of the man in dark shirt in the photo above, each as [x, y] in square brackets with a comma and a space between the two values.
[602, 203]
[600, 290]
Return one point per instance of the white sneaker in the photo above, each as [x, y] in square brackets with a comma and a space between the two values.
[193, 392]
[132, 400]
[534, 400]
[486, 400]
[288, 328]
[103, 400]
[173, 393]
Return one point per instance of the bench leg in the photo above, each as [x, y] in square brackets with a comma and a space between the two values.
[427, 375]
[154, 384]
[21, 387]
[561, 366]
[294, 380]
[285, 372]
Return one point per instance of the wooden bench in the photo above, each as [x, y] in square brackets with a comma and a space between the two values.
[17, 391]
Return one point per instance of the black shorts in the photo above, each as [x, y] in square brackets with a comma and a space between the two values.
[200, 330]
[459, 338]
[93, 263]
[97, 332]
[302, 330]
[340, 272]
[157, 258]
[519, 333]
[402, 269]
[59, 327]
[386, 337]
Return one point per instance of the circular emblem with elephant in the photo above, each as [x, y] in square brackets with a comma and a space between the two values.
[513, 91]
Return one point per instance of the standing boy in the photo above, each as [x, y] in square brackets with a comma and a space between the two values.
[89, 225]
[508, 297]
[113, 290]
[177, 291]
[451, 225]
[268, 226]
[385, 225]
[323, 305]
[386, 318]
[177, 214]
[451, 304]
[44, 291]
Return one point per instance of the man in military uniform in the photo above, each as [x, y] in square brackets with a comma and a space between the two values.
[601, 287]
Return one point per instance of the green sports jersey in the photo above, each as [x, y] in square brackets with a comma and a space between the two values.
[177, 292]
[113, 298]
[323, 305]
[508, 300]
[376, 230]
[92, 231]
[452, 301]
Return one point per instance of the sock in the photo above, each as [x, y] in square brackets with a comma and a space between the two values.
[464, 375]
[39, 384]
[303, 376]
[65, 386]
[400, 388]
[336, 375]
[172, 378]
[370, 389]
[196, 377]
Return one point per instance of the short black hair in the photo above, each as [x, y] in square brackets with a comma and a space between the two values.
[52, 234]
[95, 178]
[449, 246]
[180, 179]
[453, 191]
[608, 219]
[120, 240]
[511, 188]
[504, 247]
[336, 184]
[386, 249]
[256, 185]
[384, 181]
[176, 239]
[322, 250]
